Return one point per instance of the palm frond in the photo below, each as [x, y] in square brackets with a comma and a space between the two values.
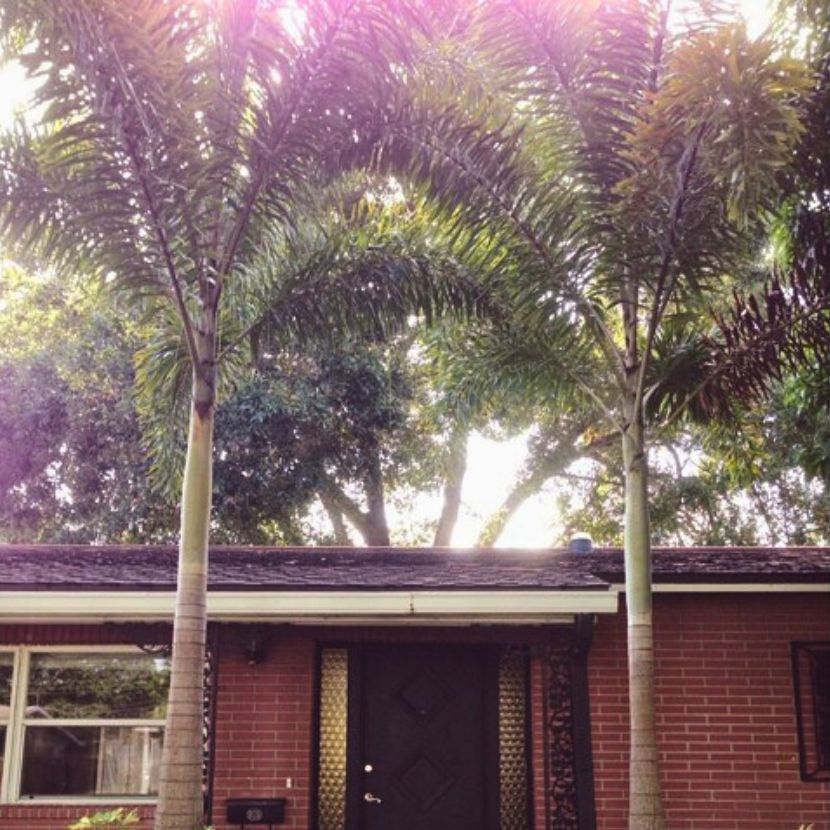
[163, 377]
[103, 181]
[326, 285]
[489, 366]
[782, 328]
[489, 206]
[585, 64]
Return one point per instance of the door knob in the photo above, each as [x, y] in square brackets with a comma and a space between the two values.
[372, 799]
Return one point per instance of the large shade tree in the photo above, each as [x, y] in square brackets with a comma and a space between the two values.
[601, 171]
[68, 422]
[355, 425]
[169, 144]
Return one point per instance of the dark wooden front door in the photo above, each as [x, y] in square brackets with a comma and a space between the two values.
[426, 757]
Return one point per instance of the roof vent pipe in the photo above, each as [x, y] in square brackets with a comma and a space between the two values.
[580, 543]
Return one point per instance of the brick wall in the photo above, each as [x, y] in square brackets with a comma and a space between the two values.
[537, 720]
[264, 726]
[725, 712]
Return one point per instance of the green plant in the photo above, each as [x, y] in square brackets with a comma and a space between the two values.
[107, 818]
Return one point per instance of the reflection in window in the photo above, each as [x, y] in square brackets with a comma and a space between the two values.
[94, 724]
[811, 678]
[97, 686]
[91, 760]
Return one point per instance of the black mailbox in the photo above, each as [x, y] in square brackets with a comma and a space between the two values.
[245, 811]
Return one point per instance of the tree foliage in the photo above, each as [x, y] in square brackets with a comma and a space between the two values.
[784, 326]
[329, 424]
[68, 426]
[299, 423]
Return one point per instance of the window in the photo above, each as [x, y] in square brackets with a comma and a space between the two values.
[811, 678]
[85, 723]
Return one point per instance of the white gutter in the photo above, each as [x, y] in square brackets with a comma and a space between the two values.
[356, 607]
[309, 607]
[735, 588]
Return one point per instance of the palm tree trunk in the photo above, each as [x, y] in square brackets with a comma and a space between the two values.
[645, 800]
[180, 803]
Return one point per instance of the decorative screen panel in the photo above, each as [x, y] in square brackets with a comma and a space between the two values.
[513, 774]
[334, 698]
[560, 770]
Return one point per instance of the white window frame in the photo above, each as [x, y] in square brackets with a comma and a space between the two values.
[8, 750]
[15, 736]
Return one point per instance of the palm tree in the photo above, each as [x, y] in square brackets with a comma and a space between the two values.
[176, 146]
[600, 172]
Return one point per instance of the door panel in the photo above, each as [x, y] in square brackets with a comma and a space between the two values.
[429, 732]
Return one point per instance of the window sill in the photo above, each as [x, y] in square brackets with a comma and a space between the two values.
[81, 800]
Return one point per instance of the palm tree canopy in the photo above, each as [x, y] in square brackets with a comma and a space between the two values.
[591, 161]
[169, 133]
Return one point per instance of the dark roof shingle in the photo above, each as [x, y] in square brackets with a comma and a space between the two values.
[133, 567]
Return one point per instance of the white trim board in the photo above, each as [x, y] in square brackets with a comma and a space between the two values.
[309, 607]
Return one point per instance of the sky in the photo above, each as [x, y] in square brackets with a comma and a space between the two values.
[492, 466]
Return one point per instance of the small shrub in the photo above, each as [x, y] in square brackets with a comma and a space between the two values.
[107, 818]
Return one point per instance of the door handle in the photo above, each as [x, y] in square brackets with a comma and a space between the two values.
[372, 799]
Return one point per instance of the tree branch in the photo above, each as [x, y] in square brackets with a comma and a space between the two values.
[456, 467]
[335, 514]
[537, 471]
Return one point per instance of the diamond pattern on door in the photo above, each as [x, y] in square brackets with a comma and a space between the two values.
[424, 694]
[423, 782]
[429, 738]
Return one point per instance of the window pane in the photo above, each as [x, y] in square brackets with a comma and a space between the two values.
[6, 668]
[820, 676]
[97, 686]
[91, 760]
[2, 748]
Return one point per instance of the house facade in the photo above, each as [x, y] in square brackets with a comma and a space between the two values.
[375, 689]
